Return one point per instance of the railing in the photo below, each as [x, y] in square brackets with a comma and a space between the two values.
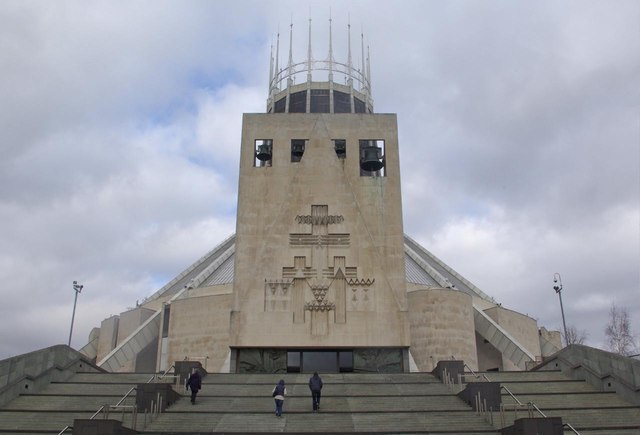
[156, 406]
[530, 407]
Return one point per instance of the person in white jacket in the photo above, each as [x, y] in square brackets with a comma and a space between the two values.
[278, 393]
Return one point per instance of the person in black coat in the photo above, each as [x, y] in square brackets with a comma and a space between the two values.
[194, 383]
[315, 385]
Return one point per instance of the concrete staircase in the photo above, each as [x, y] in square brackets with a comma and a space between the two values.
[589, 411]
[386, 403]
[383, 403]
[52, 408]
[242, 403]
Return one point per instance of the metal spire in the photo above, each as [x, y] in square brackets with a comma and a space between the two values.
[349, 62]
[363, 70]
[368, 70]
[330, 50]
[309, 55]
[277, 70]
[290, 66]
[271, 69]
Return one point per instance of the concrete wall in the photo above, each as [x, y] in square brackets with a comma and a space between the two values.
[108, 336]
[442, 326]
[489, 358]
[604, 370]
[30, 372]
[199, 328]
[282, 268]
[130, 321]
[521, 327]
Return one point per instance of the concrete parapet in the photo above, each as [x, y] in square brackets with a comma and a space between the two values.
[452, 368]
[535, 426]
[604, 370]
[35, 370]
[154, 397]
[100, 427]
[484, 395]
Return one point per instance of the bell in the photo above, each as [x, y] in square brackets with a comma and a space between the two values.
[341, 148]
[264, 152]
[297, 148]
[371, 159]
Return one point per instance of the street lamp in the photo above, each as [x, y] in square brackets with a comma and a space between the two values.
[78, 289]
[557, 280]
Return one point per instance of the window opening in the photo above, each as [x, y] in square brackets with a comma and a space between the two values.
[359, 105]
[280, 105]
[372, 158]
[341, 102]
[297, 149]
[165, 321]
[298, 102]
[319, 101]
[263, 152]
[340, 146]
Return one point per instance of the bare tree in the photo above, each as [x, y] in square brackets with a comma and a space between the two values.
[574, 336]
[618, 331]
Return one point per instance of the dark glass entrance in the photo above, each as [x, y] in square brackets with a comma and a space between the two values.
[323, 361]
[278, 360]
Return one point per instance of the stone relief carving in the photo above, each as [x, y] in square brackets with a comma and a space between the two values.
[313, 285]
[277, 296]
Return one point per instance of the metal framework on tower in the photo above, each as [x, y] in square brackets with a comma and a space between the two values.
[323, 96]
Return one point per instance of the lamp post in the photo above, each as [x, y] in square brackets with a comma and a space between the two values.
[78, 289]
[557, 286]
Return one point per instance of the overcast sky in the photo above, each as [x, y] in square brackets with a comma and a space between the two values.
[519, 128]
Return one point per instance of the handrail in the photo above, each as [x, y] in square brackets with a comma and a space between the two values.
[97, 412]
[166, 372]
[504, 387]
[571, 427]
[119, 404]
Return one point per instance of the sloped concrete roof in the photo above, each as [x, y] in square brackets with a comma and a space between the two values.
[421, 268]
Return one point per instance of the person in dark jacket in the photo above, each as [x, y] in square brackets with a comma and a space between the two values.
[315, 385]
[194, 383]
[278, 393]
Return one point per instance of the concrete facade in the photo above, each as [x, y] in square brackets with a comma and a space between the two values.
[441, 327]
[199, 330]
[319, 252]
[320, 261]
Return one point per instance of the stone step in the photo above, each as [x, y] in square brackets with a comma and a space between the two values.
[384, 422]
[329, 404]
[608, 418]
[70, 388]
[116, 378]
[15, 421]
[538, 376]
[566, 387]
[298, 378]
[70, 403]
[329, 389]
[569, 400]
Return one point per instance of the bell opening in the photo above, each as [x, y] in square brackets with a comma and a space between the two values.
[340, 146]
[372, 158]
[263, 152]
[297, 149]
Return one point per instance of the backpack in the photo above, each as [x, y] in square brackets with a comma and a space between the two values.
[278, 391]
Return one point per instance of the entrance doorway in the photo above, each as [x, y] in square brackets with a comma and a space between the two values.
[323, 361]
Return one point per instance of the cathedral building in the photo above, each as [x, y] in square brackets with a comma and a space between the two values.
[320, 275]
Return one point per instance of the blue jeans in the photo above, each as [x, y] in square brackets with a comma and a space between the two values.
[315, 397]
[279, 404]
